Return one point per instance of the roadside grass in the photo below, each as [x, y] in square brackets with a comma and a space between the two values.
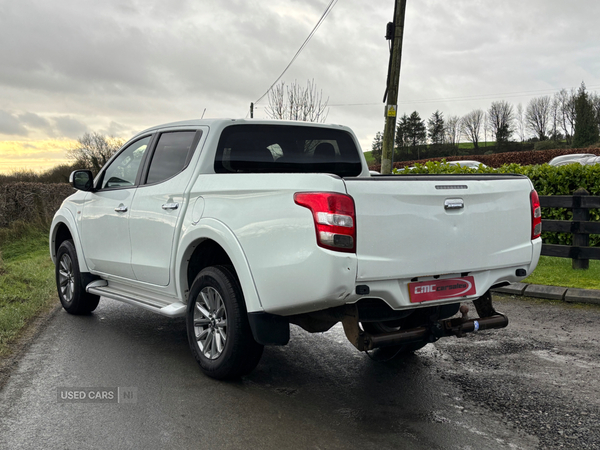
[553, 271]
[26, 280]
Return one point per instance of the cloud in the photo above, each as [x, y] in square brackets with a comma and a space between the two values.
[33, 120]
[10, 125]
[120, 66]
[69, 127]
[117, 130]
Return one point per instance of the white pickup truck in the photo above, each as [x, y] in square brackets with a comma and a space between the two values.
[245, 227]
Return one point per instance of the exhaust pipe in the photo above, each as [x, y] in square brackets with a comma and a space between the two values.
[448, 327]
[443, 328]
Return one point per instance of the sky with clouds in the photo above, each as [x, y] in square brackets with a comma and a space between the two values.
[120, 66]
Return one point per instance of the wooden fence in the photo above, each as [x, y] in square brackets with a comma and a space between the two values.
[580, 227]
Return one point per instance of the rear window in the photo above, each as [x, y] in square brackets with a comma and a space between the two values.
[286, 149]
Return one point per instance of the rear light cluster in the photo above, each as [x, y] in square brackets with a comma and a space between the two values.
[536, 216]
[334, 218]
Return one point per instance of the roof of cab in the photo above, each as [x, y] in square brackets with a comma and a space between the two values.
[223, 122]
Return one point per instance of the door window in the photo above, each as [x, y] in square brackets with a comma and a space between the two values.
[123, 171]
[172, 154]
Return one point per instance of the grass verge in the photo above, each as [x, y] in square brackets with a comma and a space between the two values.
[26, 280]
[558, 272]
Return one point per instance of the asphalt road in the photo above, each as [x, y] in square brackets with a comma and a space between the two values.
[532, 385]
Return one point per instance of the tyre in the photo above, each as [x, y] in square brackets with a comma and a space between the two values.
[218, 330]
[71, 291]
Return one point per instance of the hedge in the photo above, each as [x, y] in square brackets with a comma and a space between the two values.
[497, 160]
[33, 203]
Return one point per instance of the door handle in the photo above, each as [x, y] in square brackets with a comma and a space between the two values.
[121, 208]
[170, 206]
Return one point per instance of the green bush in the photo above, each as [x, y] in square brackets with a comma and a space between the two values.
[547, 180]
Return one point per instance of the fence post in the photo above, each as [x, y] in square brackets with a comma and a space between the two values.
[580, 239]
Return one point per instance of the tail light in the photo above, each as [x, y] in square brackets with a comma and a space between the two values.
[536, 216]
[334, 217]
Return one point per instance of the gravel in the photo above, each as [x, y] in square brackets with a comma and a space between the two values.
[539, 376]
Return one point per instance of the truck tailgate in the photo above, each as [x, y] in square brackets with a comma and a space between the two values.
[414, 226]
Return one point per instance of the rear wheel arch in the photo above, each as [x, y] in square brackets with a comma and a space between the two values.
[205, 254]
[209, 244]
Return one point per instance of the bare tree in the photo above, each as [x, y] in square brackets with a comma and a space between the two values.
[295, 102]
[471, 126]
[93, 150]
[566, 106]
[537, 116]
[520, 120]
[595, 100]
[453, 131]
[500, 118]
[555, 119]
[486, 123]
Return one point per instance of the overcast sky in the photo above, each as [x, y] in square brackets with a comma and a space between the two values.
[118, 66]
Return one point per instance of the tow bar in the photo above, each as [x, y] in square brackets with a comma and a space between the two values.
[488, 318]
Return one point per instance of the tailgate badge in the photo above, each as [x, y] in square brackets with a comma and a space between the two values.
[454, 203]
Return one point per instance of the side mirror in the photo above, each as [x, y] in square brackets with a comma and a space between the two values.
[82, 180]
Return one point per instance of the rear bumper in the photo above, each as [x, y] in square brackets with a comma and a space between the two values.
[395, 292]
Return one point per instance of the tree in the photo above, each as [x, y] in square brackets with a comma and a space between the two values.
[566, 112]
[595, 101]
[401, 138]
[93, 150]
[486, 124]
[586, 127]
[555, 117]
[295, 102]
[435, 128]
[500, 119]
[537, 115]
[415, 133]
[520, 120]
[377, 147]
[452, 132]
[471, 126]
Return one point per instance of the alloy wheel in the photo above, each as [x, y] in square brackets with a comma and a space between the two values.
[210, 322]
[66, 280]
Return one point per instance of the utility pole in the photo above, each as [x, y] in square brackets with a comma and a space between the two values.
[391, 108]
[252, 110]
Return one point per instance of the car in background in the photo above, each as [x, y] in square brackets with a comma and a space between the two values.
[581, 158]
[471, 164]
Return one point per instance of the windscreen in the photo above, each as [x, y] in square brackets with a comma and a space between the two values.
[287, 149]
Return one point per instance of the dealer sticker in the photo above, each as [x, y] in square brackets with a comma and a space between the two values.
[425, 291]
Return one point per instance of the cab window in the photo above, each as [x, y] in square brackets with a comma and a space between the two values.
[172, 154]
[123, 171]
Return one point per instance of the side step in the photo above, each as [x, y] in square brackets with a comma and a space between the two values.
[101, 288]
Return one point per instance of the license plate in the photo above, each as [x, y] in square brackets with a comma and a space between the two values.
[425, 291]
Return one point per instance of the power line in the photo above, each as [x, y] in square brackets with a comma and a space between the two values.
[331, 5]
[464, 98]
